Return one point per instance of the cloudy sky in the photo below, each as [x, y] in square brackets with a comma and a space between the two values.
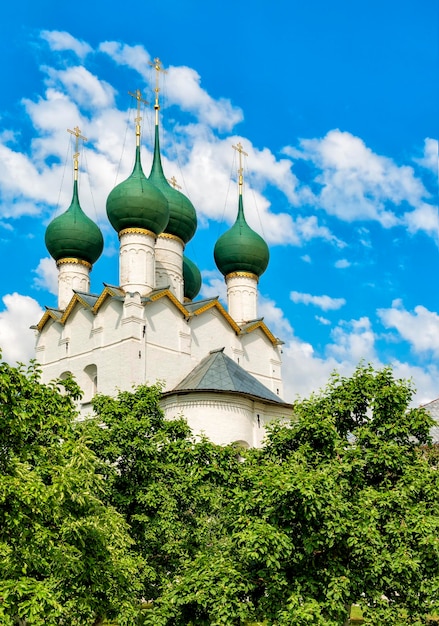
[334, 102]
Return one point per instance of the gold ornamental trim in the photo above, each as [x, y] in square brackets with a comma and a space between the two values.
[74, 261]
[171, 236]
[263, 327]
[214, 304]
[76, 298]
[168, 294]
[136, 231]
[243, 275]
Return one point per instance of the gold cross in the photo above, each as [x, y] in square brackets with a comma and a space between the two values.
[77, 134]
[240, 150]
[173, 182]
[138, 96]
[157, 65]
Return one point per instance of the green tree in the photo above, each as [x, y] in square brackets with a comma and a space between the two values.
[65, 556]
[341, 506]
[171, 488]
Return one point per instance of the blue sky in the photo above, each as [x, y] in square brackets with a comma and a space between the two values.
[336, 105]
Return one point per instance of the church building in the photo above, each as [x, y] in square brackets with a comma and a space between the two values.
[220, 367]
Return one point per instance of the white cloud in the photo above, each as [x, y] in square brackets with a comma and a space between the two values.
[213, 286]
[135, 57]
[356, 183]
[326, 303]
[87, 90]
[47, 275]
[183, 88]
[420, 328]
[194, 153]
[353, 341]
[306, 258]
[274, 318]
[430, 157]
[17, 340]
[322, 320]
[342, 264]
[61, 41]
[423, 218]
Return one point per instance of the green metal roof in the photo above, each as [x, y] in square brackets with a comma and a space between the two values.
[74, 234]
[218, 372]
[182, 215]
[191, 278]
[137, 203]
[241, 249]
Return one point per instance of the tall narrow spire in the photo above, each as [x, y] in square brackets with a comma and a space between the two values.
[182, 216]
[136, 202]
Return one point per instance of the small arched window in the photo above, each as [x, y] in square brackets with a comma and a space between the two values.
[91, 381]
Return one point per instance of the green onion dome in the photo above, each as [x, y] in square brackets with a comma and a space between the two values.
[240, 249]
[74, 235]
[137, 203]
[182, 215]
[191, 279]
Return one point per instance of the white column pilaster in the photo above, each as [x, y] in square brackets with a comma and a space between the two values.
[169, 264]
[242, 290]
[73, 275]
[136, 260]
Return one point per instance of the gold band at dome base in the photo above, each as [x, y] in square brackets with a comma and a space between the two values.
[171, 236]
[74, 261]
[242, 275]
[137, 231]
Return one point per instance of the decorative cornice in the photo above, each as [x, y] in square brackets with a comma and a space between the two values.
[171, 236]
[106, 293]
[76, 298]
[74, 261]
[48, 314]
[172, 298]
[214, 304]
[242, 275]
[137, 231]
[260, 324]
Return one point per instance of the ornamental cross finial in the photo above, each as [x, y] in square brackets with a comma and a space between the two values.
[241, 152]
[138, 96]
[173, 182]
[77, 134]
[157, 65]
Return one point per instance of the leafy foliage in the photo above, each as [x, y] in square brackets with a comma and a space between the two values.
[64, 555]
[354, 500]
[169, 486]
[339, 507]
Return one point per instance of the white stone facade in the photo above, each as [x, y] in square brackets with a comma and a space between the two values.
[117, 341]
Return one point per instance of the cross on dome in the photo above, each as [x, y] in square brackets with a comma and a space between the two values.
[173, 182]
[77, 134]
[157, 65]
[241, 152]
[138, 96]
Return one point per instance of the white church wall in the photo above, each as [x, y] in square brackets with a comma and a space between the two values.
[262, 360]
[224, 418]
